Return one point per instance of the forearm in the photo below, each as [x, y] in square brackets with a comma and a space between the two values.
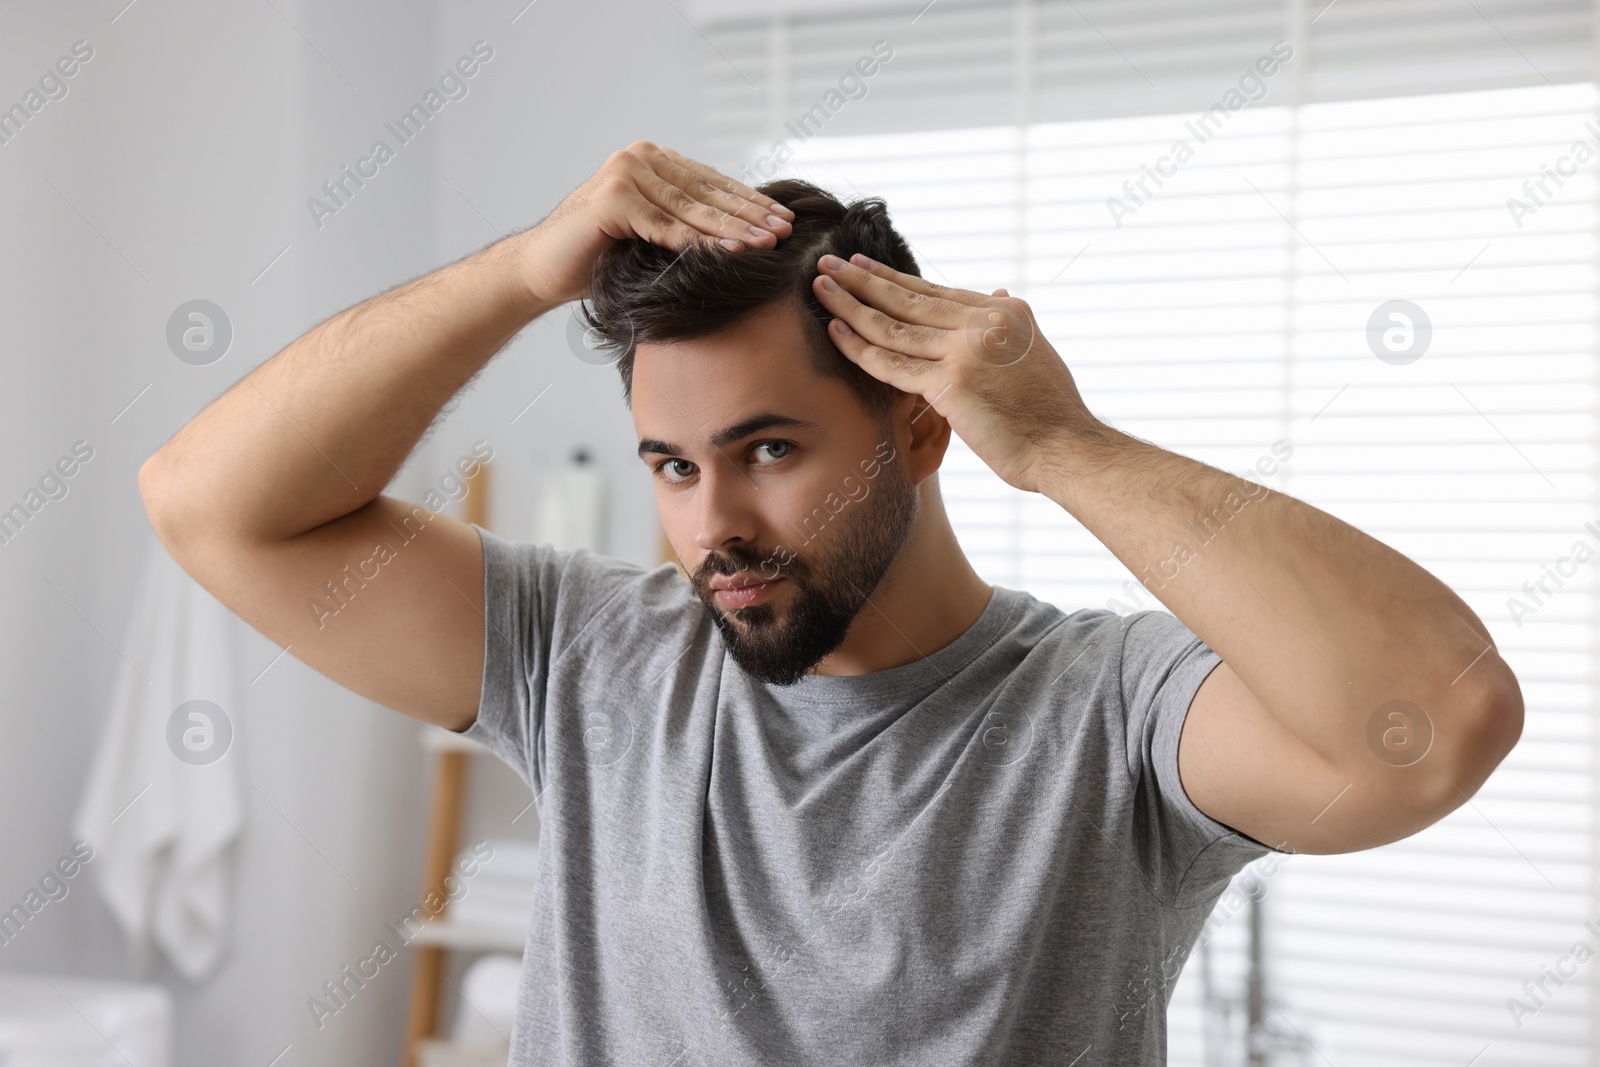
[319, 429]
[1322, 622]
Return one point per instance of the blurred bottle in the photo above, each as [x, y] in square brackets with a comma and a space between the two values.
[571, 512]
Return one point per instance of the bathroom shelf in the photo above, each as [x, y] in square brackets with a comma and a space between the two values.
[433, 1053]
[438, 739]
[451, 754]
[498, 937]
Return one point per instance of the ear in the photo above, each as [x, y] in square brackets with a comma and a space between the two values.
[921, 436]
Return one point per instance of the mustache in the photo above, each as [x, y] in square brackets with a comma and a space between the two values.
[740, 558]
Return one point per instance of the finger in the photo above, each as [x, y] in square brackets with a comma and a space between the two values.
[737, 188]
[894, 299]
[925, 342]
[712, 222]
[918, 284]
[907, 373]
[701, 189]
[659, 226]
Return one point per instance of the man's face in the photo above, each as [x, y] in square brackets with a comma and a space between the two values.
[784, 499]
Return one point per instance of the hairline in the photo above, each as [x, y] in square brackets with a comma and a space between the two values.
[821, 362]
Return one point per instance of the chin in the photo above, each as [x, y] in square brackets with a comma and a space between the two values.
[756, 616]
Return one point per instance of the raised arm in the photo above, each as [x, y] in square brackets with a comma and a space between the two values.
[1358, 700]
[270, 496]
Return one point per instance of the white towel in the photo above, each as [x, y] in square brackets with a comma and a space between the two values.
[163, 829]
[489, 1001]
[512, 860]
[56, 1021]
[501, 892]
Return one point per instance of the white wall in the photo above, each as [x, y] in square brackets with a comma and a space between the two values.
[569, 85]
[187, 148]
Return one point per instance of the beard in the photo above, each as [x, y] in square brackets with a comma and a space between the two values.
[830, 586]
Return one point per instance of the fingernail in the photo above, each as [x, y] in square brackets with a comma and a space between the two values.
[844, 327]
[773, 220]
[863, 261]
[759, 232]
[833, 262]
[729, 243]
[786, 210]
[829, 284]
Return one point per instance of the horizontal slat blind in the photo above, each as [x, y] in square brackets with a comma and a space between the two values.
[959, 64]
[1229, 313]
[1361, 49]
[1411, 952]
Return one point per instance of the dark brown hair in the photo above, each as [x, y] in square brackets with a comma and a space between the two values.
[643, 292]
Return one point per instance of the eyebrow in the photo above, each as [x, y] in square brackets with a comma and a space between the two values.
[737, 432]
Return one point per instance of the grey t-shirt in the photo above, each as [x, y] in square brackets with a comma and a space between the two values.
[980, 857]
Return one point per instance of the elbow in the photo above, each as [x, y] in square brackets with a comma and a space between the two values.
[147, 479]
[1472, 728]
[1501, 717]
[155, 489]
[1488, 728]
[149, 491]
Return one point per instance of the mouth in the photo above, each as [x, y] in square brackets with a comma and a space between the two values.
[735, 592]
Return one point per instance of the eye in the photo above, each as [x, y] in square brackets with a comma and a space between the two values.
[680, 467]
[776, 449]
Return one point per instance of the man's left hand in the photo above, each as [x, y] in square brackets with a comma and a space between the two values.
[979, 361]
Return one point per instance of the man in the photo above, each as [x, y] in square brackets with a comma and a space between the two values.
[836, 799]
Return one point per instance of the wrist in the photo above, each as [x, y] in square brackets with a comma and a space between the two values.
[517, 265]
[1078, 454]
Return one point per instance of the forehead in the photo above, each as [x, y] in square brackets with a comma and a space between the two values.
[761, 363]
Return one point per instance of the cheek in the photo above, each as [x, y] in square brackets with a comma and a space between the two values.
[804, 498]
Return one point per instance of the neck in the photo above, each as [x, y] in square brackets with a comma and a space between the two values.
[930, 596]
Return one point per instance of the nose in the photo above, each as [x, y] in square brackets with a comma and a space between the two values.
[725, 512]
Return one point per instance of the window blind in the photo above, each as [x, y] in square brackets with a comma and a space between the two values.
[973, 64]
[1230, 317]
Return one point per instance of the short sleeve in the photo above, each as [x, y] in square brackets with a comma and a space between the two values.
[1162, 666]
[537, 599]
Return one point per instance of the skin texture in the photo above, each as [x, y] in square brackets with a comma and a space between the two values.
[273, 490]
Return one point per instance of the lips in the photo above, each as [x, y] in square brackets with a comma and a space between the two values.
[737, 582]
[737, 592]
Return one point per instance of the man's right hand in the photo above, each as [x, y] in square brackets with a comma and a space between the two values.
[649, 192]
